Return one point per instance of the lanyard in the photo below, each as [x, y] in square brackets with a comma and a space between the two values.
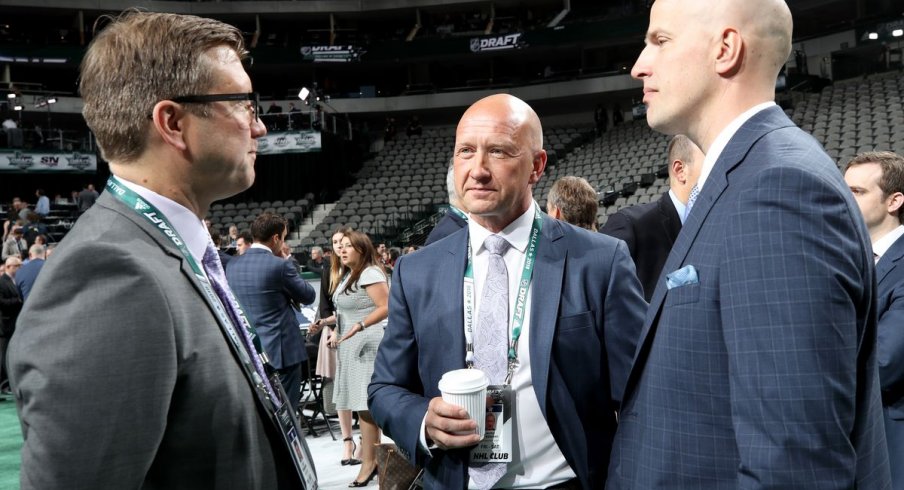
[149, 212]
[458, 212]
[520, 300]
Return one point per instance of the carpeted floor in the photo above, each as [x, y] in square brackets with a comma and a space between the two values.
[10, 444]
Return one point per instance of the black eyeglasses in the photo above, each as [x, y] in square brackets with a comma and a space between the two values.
[253, 108]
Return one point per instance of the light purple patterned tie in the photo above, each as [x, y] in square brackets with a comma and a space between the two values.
[491, 342]
[217, 277]
[695, 191]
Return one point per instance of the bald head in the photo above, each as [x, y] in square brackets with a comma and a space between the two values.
[498, 158]
[707, 62]
[510, 111]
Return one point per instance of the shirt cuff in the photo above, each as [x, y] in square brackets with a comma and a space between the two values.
[423, 438]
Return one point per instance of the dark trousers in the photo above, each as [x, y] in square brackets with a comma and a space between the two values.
[290, 378]
[4, 373]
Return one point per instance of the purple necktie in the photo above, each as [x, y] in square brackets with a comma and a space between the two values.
[491, 342]
[214, 270]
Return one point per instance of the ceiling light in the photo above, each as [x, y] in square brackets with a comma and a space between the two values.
[10, 96]
[17, 108]
[873, 36]
[52, 100]
[897, 32]
[304, 93]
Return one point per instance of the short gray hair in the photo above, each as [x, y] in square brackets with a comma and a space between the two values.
[450, 182]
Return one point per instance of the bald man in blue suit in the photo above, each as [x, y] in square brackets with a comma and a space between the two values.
[584, 312]
[756, 367]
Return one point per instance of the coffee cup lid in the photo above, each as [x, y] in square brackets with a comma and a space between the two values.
[463, 381]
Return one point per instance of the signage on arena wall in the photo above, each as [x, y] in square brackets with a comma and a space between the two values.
[38, 161]
[497, 43]
[289, 142]
[334, 54]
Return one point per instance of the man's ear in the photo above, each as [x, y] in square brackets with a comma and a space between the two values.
[539, 165]
[168, 120]
[679, 170]
[731, 52]
[895, 201]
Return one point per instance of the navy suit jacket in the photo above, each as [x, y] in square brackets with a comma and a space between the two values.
[27, 275]
[265, 286]
[450, 223]
[761, 373]
[586, 312]
[890, 275]
[649, 230]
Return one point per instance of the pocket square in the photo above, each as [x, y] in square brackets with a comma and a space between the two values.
[682, 277]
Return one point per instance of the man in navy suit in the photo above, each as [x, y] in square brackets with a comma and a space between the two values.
[582, 312]
[650, 229]
[28, 273]
[756, 366]
[268, 287]
[876, 179]
[455, 218]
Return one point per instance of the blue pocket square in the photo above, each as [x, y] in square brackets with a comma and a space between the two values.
[682, 277]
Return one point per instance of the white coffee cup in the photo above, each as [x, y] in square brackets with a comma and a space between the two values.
[467, 388]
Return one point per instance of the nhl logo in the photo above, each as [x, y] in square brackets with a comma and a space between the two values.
[475, 44]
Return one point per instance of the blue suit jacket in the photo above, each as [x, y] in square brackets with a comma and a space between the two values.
[587, 309]
[265, 286]
[890, 274]
[27, 275]
[761, 374]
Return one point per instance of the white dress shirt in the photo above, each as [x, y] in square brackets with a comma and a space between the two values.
[883, 244]
[537, 460]
[721, 141]
[679, 206]
[189, 227]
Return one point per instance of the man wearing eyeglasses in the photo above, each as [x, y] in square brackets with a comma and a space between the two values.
[138, 368]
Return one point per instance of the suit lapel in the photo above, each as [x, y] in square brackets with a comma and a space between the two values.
[889, 261]
[546, 286]
[452, 266]
[733, 155]
[168, 248]
[671, 222]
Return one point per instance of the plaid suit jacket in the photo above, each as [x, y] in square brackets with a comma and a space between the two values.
[761, 374]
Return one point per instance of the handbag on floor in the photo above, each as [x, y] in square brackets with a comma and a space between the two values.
[396, 473]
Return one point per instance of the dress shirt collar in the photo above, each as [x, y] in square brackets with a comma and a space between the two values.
[721, 141]
[517, 233]
[679, 206]
[262, 247]
[883, 244]
[186, 224]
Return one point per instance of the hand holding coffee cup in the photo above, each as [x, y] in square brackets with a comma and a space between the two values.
[457, 419]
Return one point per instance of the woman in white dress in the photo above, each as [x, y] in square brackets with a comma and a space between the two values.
[326, 356]
[361, 299]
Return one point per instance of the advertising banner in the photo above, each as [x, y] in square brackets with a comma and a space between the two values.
[47, 161]
[289, 142]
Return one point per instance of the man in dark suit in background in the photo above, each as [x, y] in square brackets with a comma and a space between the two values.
[756, 367]
[455, 219]
[582, 309]
[650, 229]
[876, 179]
[10, 305]
[268, 288]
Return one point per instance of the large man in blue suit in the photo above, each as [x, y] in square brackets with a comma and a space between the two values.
[756, 366]
[268, 288]
[582, 315]
[876, 179]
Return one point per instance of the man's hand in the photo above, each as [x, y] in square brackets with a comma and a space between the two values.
[315, 327]
[445, 421]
